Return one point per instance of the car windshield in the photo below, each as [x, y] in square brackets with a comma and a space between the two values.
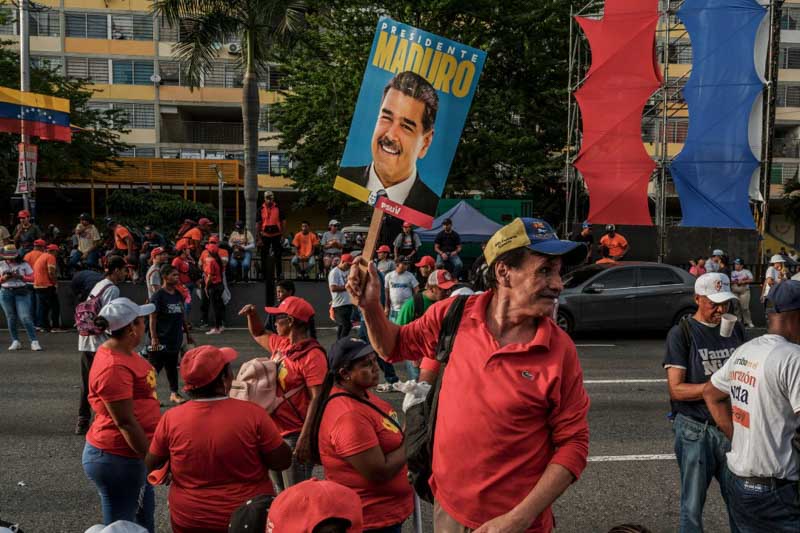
[577, 277]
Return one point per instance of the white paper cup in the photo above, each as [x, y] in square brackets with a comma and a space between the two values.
[726, 327]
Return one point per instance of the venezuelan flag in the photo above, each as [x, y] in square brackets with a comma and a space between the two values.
[46, 117]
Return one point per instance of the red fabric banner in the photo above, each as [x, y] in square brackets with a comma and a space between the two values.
[623, 75]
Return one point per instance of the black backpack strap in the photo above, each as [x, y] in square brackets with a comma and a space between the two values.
[447, 335]
[686, 332]
[419, 305]
[365, 402]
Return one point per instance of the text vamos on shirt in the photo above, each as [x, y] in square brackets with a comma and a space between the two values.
[763, 380]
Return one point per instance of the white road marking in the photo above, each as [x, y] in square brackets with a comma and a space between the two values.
[620, 458]
[595, 345]
[620, 381]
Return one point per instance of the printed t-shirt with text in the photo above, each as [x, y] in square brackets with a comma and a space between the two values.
[401, 288]
[305, 243]
[296, 370]
[707, 353]
[41, 271]
[762, 378]
[215, 451]
[117, 376]
[348, 428]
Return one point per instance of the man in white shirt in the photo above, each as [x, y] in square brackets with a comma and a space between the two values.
[116, 272]
[712, 263]
[340, 298]
[741, 279]
[755, 400]
[242, 245]
[332, 243]
[400, 286]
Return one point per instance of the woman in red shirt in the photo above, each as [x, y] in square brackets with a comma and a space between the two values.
[122, 393]
[302, 371]
[183, 262]
[357, 438]
[212, 277]
[220, 449]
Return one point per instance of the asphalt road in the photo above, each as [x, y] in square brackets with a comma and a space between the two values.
[631, 477]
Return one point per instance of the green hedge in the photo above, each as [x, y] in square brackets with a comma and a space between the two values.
[164, 211]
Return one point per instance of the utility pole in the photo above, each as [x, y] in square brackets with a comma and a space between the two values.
[24, 86]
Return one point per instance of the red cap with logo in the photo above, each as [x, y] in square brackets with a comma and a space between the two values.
[40, 242]
[202, 365]
[299, 509]
[24, 214]
[157, 251]
[346, 258]
[293, 306]
[384, 249]
[52, 247]
[441, 278]
[426, 261]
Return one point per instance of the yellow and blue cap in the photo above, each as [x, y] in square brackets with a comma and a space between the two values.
[535, 234]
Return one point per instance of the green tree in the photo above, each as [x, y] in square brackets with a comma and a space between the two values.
[260, 24]
[95, 140]
[517, 121]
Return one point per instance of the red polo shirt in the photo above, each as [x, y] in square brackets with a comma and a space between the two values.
[505, 413]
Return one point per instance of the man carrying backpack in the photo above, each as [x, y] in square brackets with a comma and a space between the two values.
[89, 339]
[440, 283]
[524, 439]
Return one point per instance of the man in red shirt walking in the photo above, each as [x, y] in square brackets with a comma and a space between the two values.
[501, 457]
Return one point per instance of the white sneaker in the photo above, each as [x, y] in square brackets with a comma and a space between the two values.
[36, 347]
[16, 345]
[384, 387]
[213, 331]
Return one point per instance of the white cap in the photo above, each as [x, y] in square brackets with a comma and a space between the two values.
[333, 222]
[715, 286]
[121, 311]
[717, 252]
[120, 526]
[777, 258]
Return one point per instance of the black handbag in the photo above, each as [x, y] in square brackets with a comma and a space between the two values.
[421, 418]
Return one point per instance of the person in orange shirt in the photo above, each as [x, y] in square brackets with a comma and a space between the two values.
[196, 235]
[305, 242]
[605, 259]
[45, 286]
[617, 244]
[271, 230]
[213, 270]
[223, 253]
[36, 253]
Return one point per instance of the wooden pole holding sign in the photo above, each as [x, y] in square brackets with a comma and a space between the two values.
[371, 244]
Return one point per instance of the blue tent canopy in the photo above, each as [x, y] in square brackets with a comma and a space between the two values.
[468, 222]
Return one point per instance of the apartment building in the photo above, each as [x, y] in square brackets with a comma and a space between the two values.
[176, 133]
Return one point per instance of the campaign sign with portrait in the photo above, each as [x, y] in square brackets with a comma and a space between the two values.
[411, 109]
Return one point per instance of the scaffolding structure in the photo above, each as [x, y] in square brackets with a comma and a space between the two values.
[667, 103]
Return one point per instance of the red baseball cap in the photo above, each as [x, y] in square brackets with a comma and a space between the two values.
[204, 222]
[214, 239]
[384, 249]
[181, 245]
[426, 261]
[212, 248]
[300, 508]
[24, 214]
[40, 242]
[52, 247]
[157, 251]
[406, 224]
[346, 258]
[293, 306]
[441, 278]
[202, 365]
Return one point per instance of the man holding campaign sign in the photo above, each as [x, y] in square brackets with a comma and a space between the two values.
[411, 109]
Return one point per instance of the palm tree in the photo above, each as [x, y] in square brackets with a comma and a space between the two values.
[260, 24]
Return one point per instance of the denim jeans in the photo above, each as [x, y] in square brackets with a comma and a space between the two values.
[453, 264]
[16, 304]
[700, 450]
[92, 258]
[757, 507]
[309, 264]
[296, 473]
[122, 485]
[247, 259]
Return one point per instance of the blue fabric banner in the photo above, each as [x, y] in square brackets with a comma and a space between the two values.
[713, 171]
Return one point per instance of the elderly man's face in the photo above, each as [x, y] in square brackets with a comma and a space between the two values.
[708, 311]
[535, 285]
[399, 138]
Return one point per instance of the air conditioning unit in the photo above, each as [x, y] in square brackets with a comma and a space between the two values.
[234, 48]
